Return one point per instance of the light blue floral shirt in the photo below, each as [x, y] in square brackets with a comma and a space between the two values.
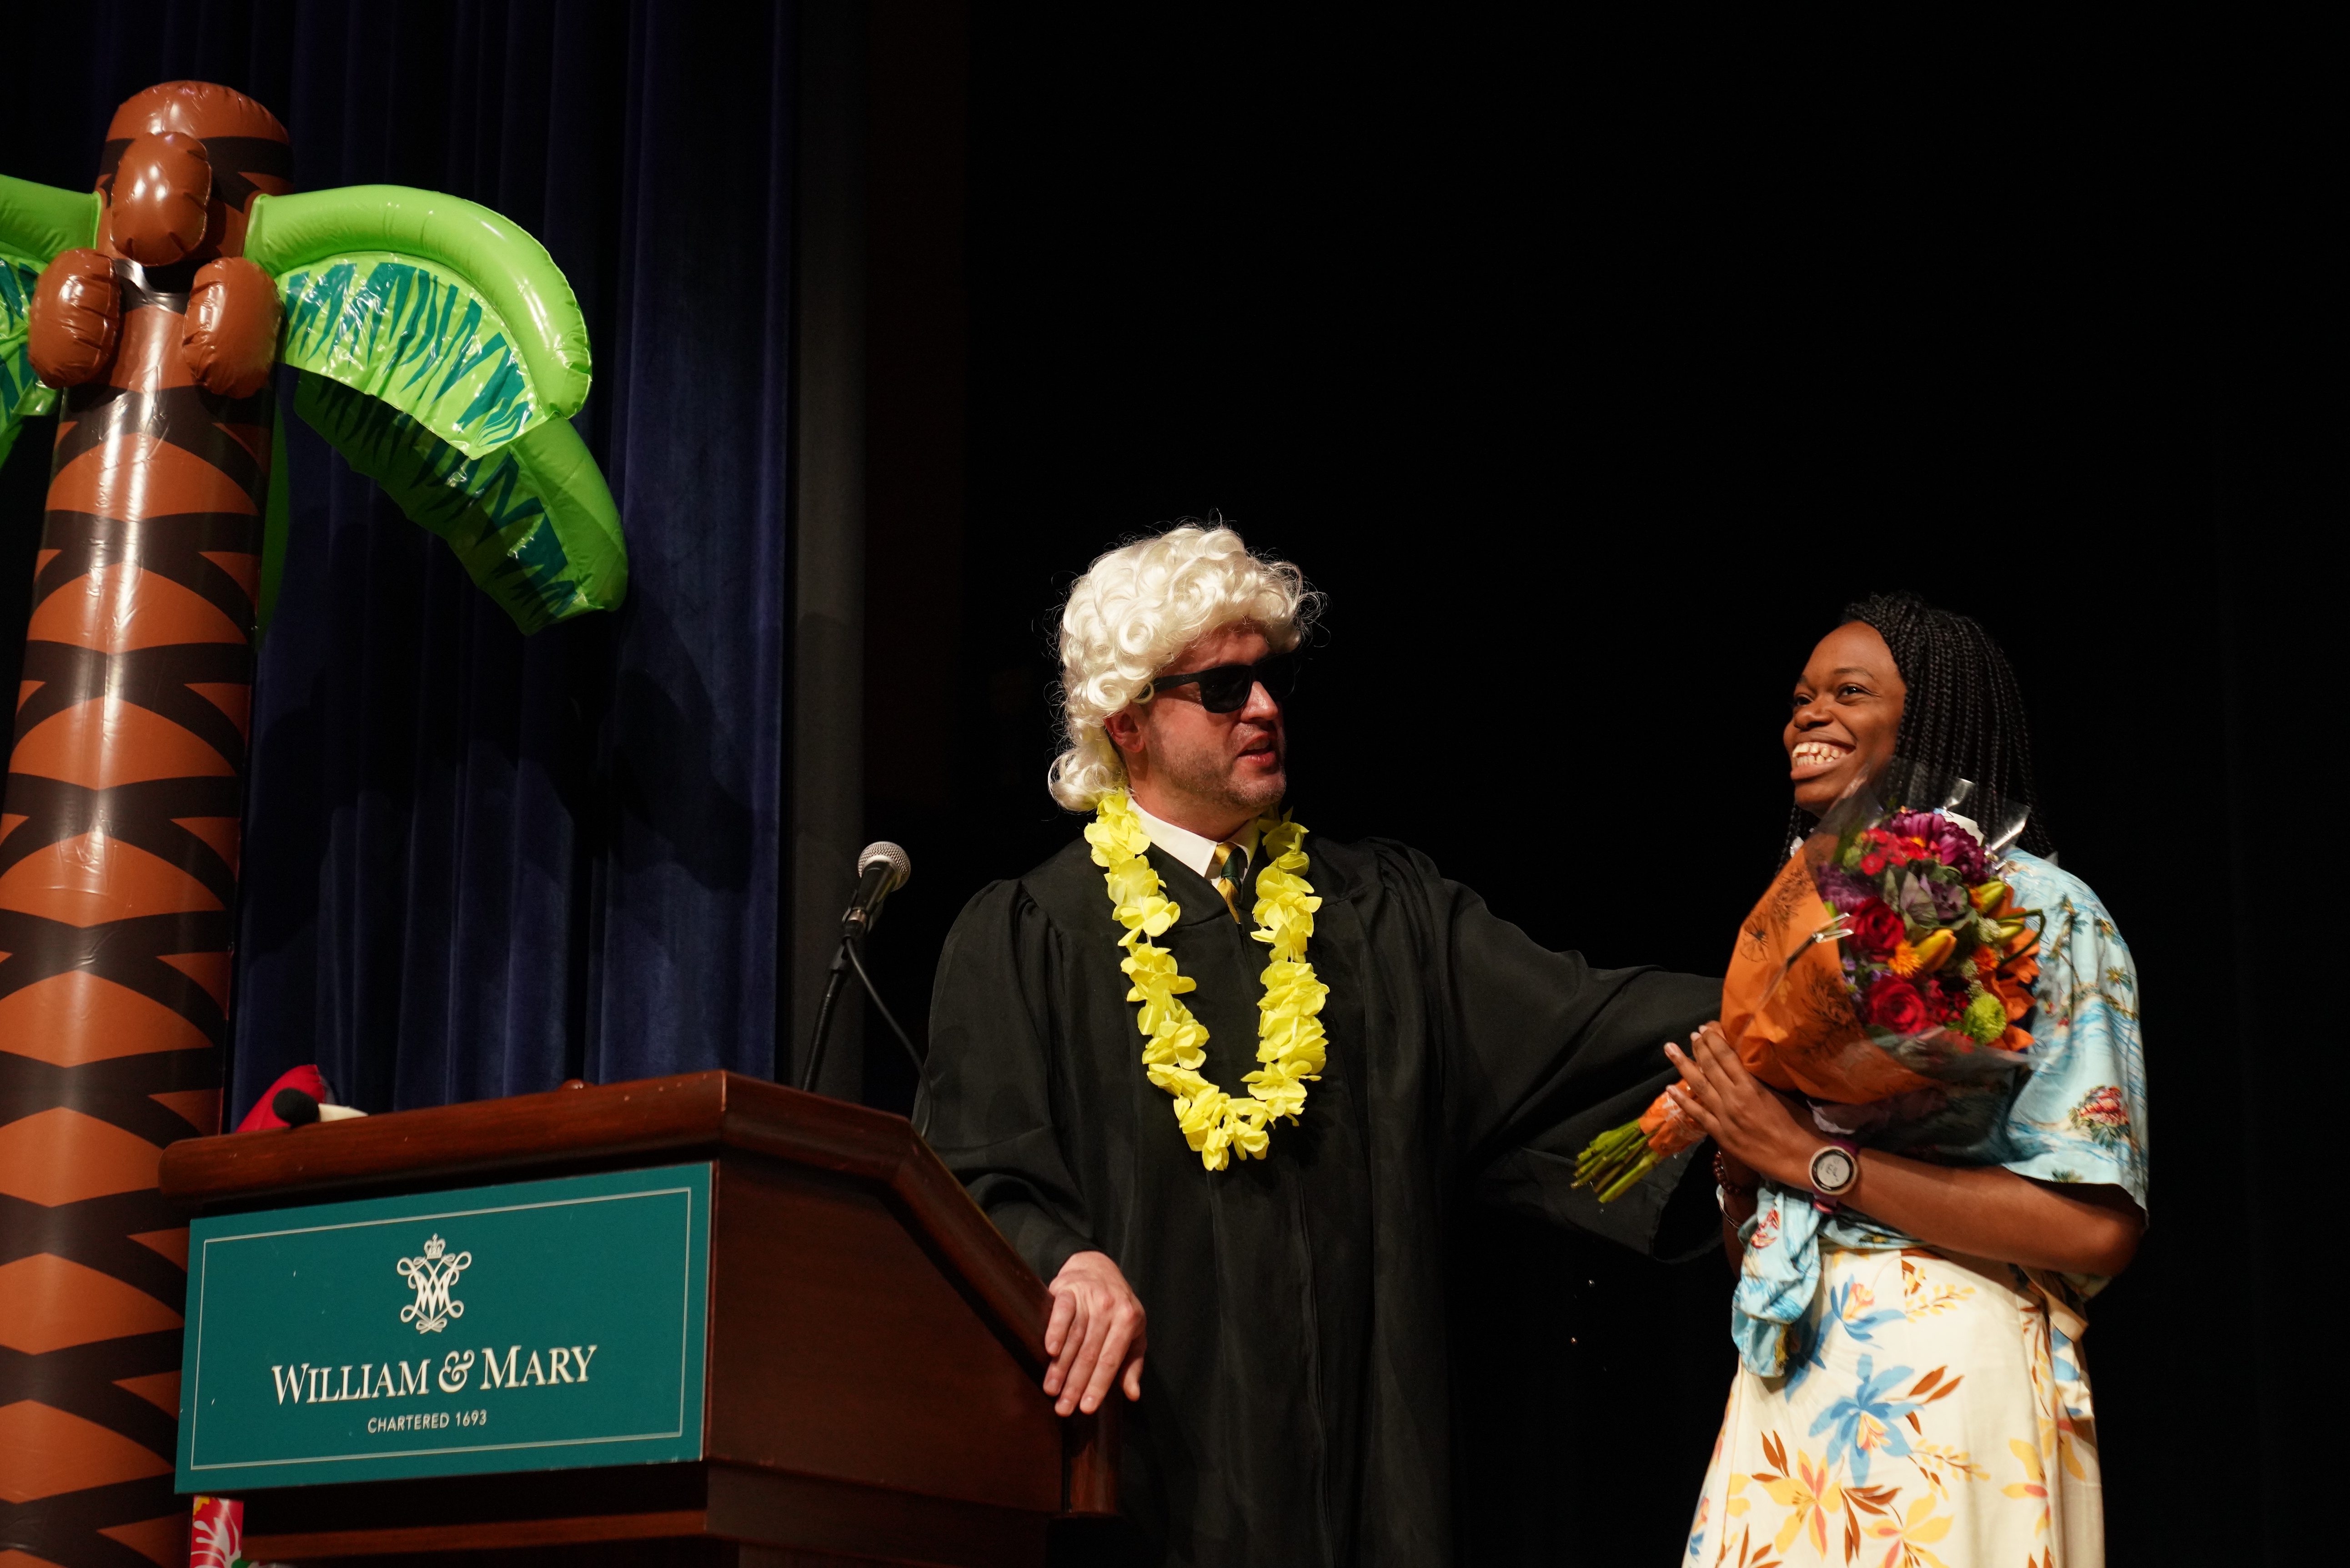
[2079, 1114]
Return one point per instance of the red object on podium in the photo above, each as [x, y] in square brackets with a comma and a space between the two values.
[875, 1347]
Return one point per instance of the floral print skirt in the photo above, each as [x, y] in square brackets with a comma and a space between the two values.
[1936, 1416]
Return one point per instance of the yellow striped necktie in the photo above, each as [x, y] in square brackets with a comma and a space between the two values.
[1224, 884]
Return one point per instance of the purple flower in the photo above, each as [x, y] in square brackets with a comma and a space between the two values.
[1913, 895]
[1955, 848]
[1844, 890]
[1948, 843]
[1913, 824]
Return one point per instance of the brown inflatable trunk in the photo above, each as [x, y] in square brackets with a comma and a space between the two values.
[118, 840]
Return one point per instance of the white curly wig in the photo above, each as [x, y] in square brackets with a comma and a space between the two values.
[1134, 610]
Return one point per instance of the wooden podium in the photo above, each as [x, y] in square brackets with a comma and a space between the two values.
[873, 1345]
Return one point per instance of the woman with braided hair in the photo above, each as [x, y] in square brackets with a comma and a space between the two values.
[1911, 1381]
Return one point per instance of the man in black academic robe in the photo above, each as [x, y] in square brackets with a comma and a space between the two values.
[1295, 1404]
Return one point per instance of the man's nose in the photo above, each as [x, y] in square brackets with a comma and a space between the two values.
[1260, 703]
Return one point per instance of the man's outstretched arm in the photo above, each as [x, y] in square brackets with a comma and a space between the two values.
[1545, 1053]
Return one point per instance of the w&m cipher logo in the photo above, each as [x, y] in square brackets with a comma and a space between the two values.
[433, 1275]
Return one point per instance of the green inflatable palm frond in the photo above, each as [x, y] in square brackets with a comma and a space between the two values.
[531, 521]
[443, 354]
[36, 222]
[22, 396]
[407, 332]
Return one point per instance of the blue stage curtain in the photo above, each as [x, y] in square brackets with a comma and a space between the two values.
[476, 863]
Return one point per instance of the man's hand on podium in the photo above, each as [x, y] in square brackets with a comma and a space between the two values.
[1096, 1328]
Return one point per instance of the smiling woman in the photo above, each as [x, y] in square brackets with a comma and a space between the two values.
[1900, 674]
[1847, 711]
[1875, 1280]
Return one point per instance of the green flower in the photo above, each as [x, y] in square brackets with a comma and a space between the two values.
[1985, 1019]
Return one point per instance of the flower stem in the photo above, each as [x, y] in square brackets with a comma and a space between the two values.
[1614, 1160]
[1630, 1178]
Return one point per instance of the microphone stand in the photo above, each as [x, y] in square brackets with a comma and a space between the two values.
[839, 977]
[845, 962]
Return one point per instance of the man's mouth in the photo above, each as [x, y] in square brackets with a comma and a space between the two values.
[1812, 758]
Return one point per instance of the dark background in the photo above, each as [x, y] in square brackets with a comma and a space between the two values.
[1589, 372]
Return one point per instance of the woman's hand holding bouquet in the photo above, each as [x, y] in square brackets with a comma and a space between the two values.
[1757, 1129]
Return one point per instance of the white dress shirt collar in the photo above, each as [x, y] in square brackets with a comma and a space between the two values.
[1190, 849]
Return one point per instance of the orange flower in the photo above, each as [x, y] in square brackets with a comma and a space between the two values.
[2013, 995]
[1911, 1536]
[1809, 1496]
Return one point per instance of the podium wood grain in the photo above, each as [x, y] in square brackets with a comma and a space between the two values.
[874, 1347]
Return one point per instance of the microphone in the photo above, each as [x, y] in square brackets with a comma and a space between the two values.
[882, 869]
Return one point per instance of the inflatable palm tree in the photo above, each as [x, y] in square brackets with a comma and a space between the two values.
[442, 353]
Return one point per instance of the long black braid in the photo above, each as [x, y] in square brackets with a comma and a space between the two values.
[1964, 711]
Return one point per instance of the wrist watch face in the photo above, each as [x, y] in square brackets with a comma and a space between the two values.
[1834, 1170]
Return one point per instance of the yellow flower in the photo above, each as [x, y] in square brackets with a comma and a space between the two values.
[1149, 913]
[1180, 1045]
[1809, 1496]
[1289, 1040]
[2067, 1453]
[1130, 881]
[1903, 959]
[1913, 1535]
[1117, 831]
[1936, 950]
[1738, 1505]
[1279, 1093]
[2035, 1480]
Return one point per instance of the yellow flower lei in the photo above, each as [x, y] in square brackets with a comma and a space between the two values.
[1289, 1025]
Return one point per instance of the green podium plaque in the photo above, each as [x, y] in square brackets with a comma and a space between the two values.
[538, 1326]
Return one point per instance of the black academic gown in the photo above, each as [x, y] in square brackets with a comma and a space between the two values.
[1295, 1406]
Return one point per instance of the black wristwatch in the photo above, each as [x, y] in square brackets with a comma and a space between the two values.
[1835, 1171]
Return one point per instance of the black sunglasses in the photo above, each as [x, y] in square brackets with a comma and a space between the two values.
[1226, 687]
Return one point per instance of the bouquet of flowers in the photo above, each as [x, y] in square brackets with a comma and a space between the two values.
[1884, 976]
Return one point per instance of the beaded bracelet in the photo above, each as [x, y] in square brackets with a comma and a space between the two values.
[1727, 1190]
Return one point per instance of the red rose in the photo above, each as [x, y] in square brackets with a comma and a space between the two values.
[1895, 1005]
[1876, 929]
